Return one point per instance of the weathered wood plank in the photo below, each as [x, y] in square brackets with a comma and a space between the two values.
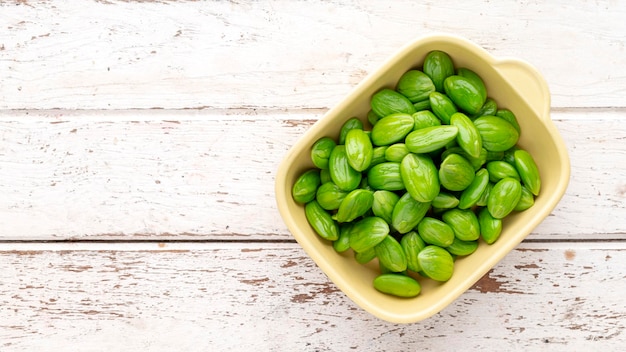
[184, 54]
[237, 296]
[197, 174]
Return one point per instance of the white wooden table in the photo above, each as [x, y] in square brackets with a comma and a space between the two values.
[139, 142]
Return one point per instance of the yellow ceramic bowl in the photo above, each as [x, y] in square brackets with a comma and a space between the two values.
[513, 84]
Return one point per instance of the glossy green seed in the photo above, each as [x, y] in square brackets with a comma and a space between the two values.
[462, 248]
[320, 152]
[359, 149]
[501, 169]
[528, 171]
[350, 124]
[415, 85]
[442, 106]
[397, 285]
[396, 152]
[482, 201]
[305, 187]
[385, 176]
[476, 80]
[422, 105]
[420, 178]
[489, 108]
[464, 223]
[342, 244]
[392, 129]
[468, 137]
[384, 202]
[387, 101]
[367, 233]
[509, 116]
[355, 204]
[477, 163]
[445, 200]
[496, 133]
[509, 155]
[391, 255]
[436, 263]
[526, 201]
[341, 173]
[429, 139]
[471, 195]
[435, 231]
[329, 196]
[464, 93]
[372, 117]
[366, 256]
[321, 221]
[425, 118]
[407, 213]
[325, 176]
[503, 197]
[438, 66]
[456, 173]
[412, 244]
[378, 156]
[490, 227]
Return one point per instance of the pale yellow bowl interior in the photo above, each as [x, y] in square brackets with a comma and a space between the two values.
[514, 85]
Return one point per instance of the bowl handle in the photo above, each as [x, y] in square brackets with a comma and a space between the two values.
[528, 83]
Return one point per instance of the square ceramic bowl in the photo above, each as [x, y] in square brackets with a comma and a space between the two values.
[513, 84]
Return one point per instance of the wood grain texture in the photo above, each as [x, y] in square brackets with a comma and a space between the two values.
[196, 175]
[283, 54]
[230, 296]
[139, 142]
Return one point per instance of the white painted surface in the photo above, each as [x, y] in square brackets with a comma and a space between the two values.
[123, 124]
[272, 297]
[223, 54]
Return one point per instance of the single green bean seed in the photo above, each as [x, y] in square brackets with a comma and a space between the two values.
[462, 248]
[367, 233]
[342, 244]
[330, 196]
[320, 152]
[528, 171]
[490, 227]
[436, 263]
[383, 204]
[350, 124]
[321, 221]
[438, 66]
[415, 85]
[366, 256]
[464, 223]
[407, 213]
[397, 285]
[501, 169]
[355, 204]
[305, 187]
[391, 254]
[387, 101]
[471, 195]
[445, 200]
[412, 244]
[435, 231]
[422, 105]
[526, 201]
[503, 197]
[396, 152]
[359, 149]
[341, 173]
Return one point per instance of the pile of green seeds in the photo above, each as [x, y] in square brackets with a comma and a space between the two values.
[433, 174]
